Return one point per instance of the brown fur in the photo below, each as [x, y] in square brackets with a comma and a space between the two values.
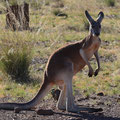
[71, 53]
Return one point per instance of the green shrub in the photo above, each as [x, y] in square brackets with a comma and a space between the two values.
[15, 62]
[110, 3]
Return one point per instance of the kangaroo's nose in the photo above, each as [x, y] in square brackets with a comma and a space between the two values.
[97, 34]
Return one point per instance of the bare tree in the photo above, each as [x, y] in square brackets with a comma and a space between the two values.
[17, 17]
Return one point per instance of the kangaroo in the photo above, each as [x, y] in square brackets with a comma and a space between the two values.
[62, 65]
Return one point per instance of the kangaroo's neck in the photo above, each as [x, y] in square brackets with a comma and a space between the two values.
[91, 39]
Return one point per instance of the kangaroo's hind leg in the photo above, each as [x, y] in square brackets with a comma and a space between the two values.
[67, 92]
[62, 98]
[70, 104]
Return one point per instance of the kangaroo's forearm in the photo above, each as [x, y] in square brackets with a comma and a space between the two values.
[84, 57]
[97, 58]
[98, 63]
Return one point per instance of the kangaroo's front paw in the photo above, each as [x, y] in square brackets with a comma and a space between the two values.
[90, 74]
[96, 72]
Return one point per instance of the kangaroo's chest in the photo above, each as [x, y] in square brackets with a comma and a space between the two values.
[90, 50]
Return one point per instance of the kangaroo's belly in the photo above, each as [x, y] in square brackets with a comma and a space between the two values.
[79, 66]
[89, 52]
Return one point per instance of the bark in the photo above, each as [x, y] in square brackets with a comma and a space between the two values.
[17, 17]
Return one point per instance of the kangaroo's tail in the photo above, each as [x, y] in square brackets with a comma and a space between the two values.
[46, 86]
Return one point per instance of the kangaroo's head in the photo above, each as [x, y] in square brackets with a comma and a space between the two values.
[95, 26]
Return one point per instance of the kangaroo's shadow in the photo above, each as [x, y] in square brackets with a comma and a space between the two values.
[87, 116]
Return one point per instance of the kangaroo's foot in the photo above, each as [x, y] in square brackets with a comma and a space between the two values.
[78, 109]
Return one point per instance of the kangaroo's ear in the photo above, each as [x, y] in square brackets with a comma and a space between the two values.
[100, 17]
[90, 19]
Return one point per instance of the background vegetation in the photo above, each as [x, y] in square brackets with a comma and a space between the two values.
[54, 23]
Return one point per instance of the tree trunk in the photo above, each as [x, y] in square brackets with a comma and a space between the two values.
[17, 17]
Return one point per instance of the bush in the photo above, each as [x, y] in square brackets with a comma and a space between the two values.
[110, 3]
[15, 62]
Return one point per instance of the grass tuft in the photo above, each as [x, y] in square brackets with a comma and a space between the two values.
[15, 62]
[110, 3]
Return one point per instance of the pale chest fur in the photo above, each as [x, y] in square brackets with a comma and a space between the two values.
[89, 51]
[92, 48]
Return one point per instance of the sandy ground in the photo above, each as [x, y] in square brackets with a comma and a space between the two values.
[109, 105]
